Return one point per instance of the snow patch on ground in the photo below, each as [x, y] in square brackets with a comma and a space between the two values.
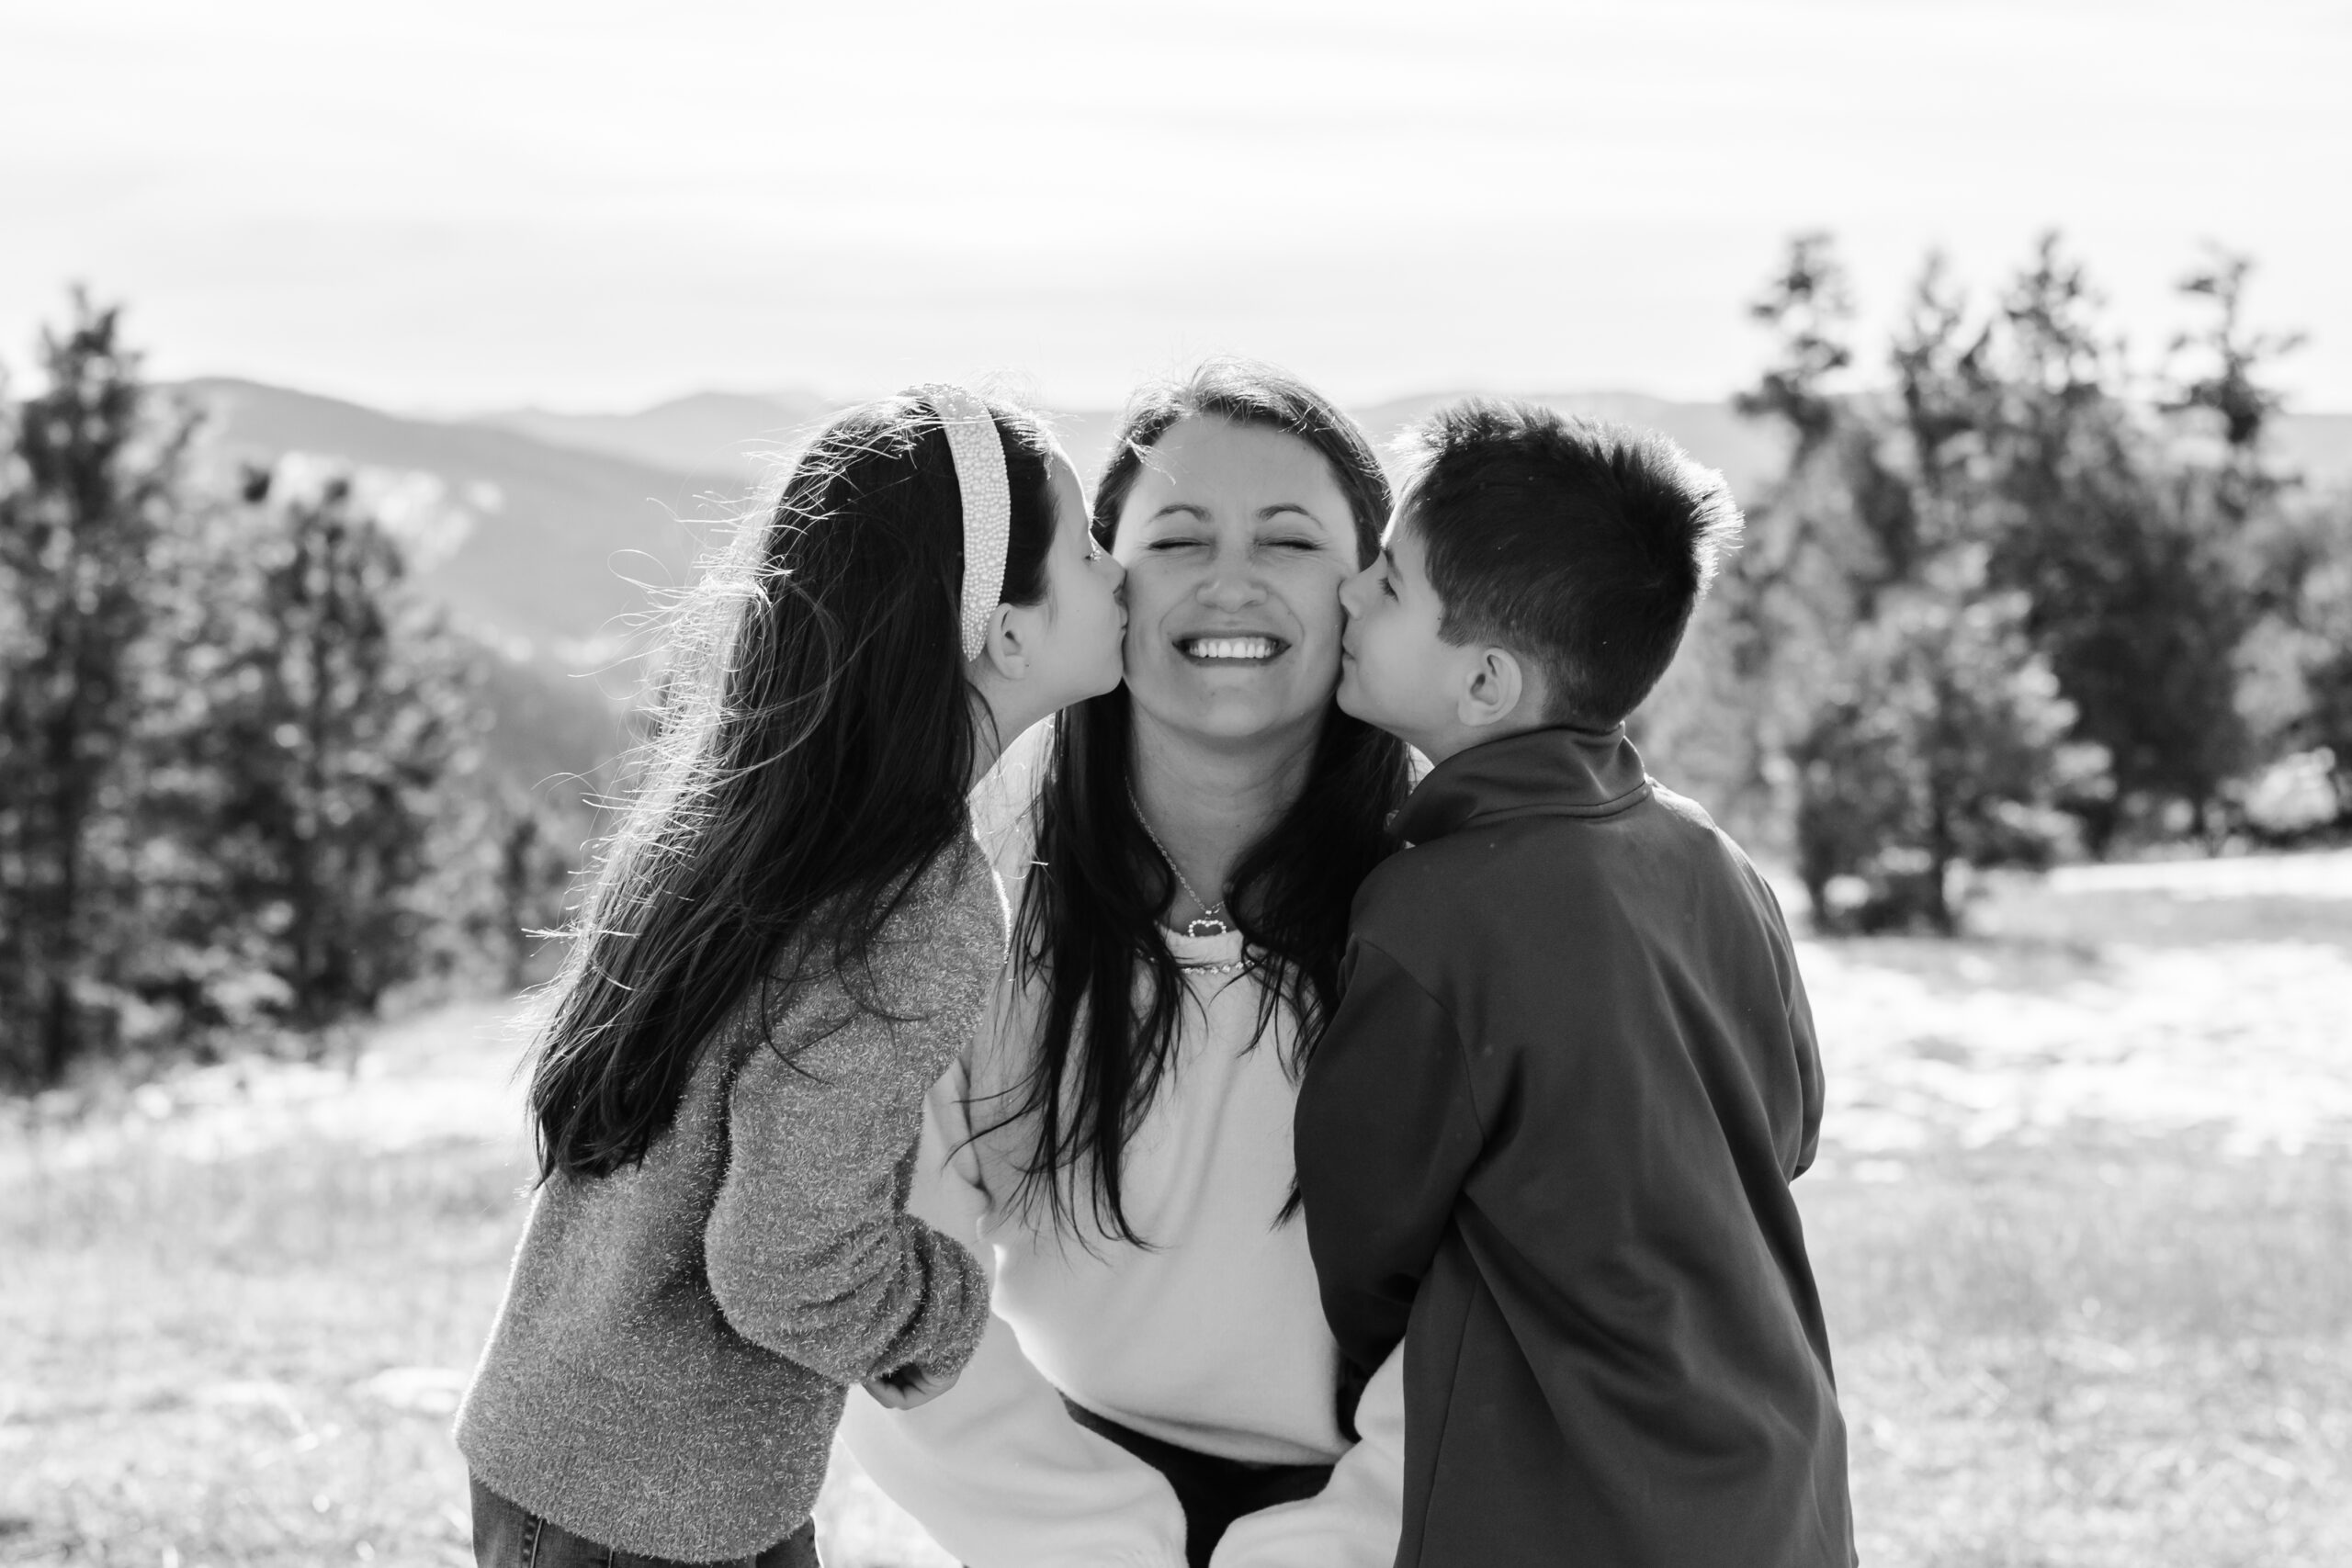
[2251, 1042]
[448, 1074]
[2325, 873]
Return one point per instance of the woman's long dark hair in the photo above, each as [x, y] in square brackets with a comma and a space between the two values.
[814, 744]
[1090, 918]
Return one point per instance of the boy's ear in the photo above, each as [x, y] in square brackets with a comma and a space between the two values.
[1004, 651]
[1496, 689]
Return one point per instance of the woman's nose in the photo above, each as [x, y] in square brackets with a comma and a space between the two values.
[1232, 588]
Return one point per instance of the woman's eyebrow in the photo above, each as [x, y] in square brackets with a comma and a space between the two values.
[1266, 514]
[1183, 508]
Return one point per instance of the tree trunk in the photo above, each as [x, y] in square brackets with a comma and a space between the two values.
[1941, 851]
[58, 1036]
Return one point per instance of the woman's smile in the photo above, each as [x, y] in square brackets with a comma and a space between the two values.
[1232, 648]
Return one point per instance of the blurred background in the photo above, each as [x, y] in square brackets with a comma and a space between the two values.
[371, 372]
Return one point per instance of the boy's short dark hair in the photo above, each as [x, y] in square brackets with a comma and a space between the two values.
[1579, 545]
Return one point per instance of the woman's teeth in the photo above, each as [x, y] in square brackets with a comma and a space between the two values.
[1231, 648]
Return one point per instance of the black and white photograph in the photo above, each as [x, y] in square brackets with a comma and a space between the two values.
[1502, 784]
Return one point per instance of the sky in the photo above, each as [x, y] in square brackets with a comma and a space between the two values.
[453, 207]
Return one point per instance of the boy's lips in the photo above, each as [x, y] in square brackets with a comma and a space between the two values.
[1232, 648]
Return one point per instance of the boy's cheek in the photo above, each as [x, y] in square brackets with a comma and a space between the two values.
[1348, 692]
[1359, 693]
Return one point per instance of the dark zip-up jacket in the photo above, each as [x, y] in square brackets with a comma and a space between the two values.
[1547, 1139]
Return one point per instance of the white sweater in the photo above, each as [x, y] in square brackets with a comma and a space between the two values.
[1213, 1338]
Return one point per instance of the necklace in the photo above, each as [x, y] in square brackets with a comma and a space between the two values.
[1210, 920]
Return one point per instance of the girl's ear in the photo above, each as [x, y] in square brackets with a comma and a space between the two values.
[1493, 692]
[1005, 651]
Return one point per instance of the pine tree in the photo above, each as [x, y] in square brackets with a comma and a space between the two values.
[2233, 385]
[1939, 747]
[336, 721]
[1936, 742]
[2139, 609]
[1786, 597]
[538, 846]
[92, 477]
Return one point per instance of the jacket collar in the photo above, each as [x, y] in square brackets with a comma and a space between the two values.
[1556, 772]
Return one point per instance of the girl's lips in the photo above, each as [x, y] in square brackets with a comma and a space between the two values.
[1243, 649]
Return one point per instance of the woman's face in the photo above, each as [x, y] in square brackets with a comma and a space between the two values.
[1235, 539]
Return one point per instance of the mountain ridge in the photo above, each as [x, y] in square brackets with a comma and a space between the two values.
[745, 433]
[549, 528]
[570, 525]
[550, 538]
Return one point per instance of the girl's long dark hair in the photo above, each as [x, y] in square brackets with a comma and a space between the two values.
[1089, 924]
[814, 742]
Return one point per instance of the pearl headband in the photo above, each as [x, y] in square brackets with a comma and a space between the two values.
[988, 504]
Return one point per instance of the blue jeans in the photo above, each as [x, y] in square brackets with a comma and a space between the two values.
[508, 1535]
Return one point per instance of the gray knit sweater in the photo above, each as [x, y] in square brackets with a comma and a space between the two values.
[670, 1358]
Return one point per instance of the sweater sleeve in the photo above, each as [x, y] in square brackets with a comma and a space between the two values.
[1355, 1520]
[994, 1469]
[1387, 1134]
[808, 1251]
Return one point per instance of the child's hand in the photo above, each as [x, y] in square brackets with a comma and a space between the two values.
[908, 1387]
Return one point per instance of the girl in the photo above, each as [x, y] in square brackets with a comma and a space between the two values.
[788, 942]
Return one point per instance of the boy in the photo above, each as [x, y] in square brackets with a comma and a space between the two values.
[1548, 1137]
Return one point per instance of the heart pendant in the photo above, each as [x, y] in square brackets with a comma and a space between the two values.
[1205, 926]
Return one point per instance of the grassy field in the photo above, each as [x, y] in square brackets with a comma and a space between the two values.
[2082, 1220]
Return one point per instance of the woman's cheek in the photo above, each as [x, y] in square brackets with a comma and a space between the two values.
[1141, 606]
[1327, 658]
[1322, 644]
[1320, 613]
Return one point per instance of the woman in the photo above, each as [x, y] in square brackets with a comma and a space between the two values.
[1125, 1169]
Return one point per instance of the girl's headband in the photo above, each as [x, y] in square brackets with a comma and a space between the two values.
[987, 503]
